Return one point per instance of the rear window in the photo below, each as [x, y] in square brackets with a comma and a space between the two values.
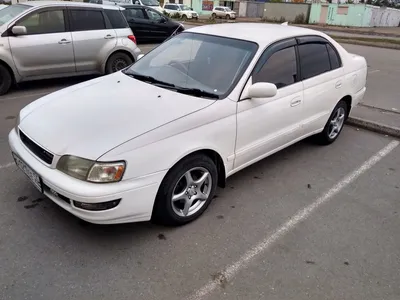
[82, 20]
[116, 18]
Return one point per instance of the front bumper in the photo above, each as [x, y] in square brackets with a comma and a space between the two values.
[137, 195]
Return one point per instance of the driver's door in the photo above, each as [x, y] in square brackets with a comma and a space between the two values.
[157, 24]
[265, 125]
[46, 49]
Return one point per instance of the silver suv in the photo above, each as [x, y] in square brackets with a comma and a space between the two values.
[40, 40]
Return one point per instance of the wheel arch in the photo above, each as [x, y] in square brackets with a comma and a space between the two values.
[348, 100]
[215, 157]
[117, 51]
[9, 69]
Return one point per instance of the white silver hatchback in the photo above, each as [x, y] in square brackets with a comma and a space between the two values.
[40, 40]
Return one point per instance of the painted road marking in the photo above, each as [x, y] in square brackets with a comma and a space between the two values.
[230, 271]
[7, 165]
[26, 95]
[373, 71]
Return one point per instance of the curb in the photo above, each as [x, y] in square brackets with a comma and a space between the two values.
[374, 126]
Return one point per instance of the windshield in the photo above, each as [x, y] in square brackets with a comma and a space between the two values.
[150, 2]
[197, 61]
[228, 9]
[184, 7]
[9, 13]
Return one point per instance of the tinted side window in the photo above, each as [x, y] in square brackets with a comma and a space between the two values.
[314, 60]
[82, 20]
[334, 57]
[116, 18]
[135, 13]
[44, 22]
[280, 68]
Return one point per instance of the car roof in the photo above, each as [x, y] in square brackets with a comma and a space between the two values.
[68, 3]
[259, 33]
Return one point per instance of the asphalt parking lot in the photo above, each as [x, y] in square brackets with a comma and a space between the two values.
[310, 222]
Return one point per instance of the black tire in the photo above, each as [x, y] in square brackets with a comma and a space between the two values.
[5, 80]
[227, 17]
[118, 61]
[324, 138]
[163, 212]
[213, 16]
[184, 17]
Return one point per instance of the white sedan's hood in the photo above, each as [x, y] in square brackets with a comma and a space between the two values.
[91, 118]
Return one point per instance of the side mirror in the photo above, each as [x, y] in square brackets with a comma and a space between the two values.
[262, 90]
[163, 20]
[140, 56]
[19, 30]
[137, 2]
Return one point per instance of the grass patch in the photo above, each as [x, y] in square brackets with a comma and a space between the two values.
[367, 39]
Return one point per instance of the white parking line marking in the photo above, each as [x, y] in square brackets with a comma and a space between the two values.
[373, 71]
[26, 95]
[7, 165]
[300, 216]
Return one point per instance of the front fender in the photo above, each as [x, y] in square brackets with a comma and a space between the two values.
[212, 128]
[7, 59]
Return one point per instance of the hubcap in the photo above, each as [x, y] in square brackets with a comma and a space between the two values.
[191, 192]
[118, 64]
[336, 123]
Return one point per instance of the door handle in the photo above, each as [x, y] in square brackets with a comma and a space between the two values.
[338, 85]
[109, 36]
[295, 102]
[64, 41]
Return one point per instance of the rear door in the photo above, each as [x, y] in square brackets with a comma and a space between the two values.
[46, 49]
[93, 39]
[322, 76]
[138, 22]
[118, 22]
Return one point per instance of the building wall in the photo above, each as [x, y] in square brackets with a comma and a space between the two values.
[251, 9]
[204, 7]
[356, 15]
[288, 11]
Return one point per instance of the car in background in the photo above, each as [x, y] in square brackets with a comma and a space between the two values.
[184, 11]
[223, 12]
[44, 40]
[149, 3]
[153, 141]
[149, 25]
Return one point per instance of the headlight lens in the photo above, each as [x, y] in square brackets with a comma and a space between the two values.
[91, 171]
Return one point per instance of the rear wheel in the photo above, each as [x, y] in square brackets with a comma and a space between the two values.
[184, 17]
[5, 80]
[213, 16]
[186, 191]
[117, 62]
[334, 126]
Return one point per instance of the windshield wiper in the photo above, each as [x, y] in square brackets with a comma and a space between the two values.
[187, 91]
[149, 79]
[196, 92]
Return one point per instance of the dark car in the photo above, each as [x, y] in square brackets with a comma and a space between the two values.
[149, 25]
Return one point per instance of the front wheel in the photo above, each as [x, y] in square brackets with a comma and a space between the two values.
[227, 17]
[184, 17]
[186, 191]
[117, 62]
[213, 16]
[5, 80]
[334, 126]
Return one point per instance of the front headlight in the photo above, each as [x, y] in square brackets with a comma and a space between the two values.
[91, 171]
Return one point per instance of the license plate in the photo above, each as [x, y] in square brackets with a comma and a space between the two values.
[35, 178]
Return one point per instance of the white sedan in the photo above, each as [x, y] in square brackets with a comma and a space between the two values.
[155, 140]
